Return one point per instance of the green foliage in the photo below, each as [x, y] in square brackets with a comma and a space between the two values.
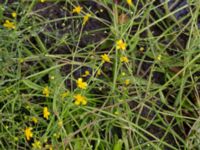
[150, 101]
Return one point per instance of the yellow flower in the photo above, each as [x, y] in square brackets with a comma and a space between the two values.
[9, 25]
[77, 9]
[79, 99]
[159, 57]
[49, 147]
[46, 113]
[105, 58]
[141, 49]
[65, 94]
[123, 73]
[124, 59]
[87, 73]
[129, 2]
[120, 44]
[35, 120]
[46, 91]
[28, 133]
[116, 113]
[99, 72]
[81, 84]
[86, 18]
[60, 123]
[127, 82]
[52, 77]
[42, 1]
[36, 145]
[14, 14]
[56, 135]
[16, 138]
[21, 60]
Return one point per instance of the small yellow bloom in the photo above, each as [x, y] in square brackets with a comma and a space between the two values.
[120, 44]
[28, 133]
[159, 57]
[116, 113]
[141, 49]
[16, 138]
[46, 113]
[79, 99]
[35, 120]
[87, 73]
[14, 14]
[81, 84]
[124, 59]
[42, 1]
[86, 18]
[60, 123]
[105, 58]
[46, 91]
[9, 25]
[77, 9]
[36, 145]
[49, 147]
[56, 135]
[65, 94]
[123, 73]
[127, 82]
[21, 60]
[52, 77]
[99, 72]
[129, 2]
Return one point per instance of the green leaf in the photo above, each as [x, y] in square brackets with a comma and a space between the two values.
[118, 145]
[32, 85]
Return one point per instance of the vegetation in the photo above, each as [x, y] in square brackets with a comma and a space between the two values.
[99, 74]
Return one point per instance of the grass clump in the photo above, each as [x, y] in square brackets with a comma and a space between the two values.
[99, 75]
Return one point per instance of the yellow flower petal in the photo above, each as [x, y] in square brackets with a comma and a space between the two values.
[87, 73]
[36, 144]
[129, 2]
[9, 25]
[79, 99]
[105, 58]
[35, 120]
[42, 1]
[46, 113]
[64, 95]
[120, 44]
[127, 82]
[141, 49]
[46, 91]
[77, 9]
[159, 57]
[124, 59]
[60, 123]
[86, 18]
[81, 84]
[28, 133]
[14, 14]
